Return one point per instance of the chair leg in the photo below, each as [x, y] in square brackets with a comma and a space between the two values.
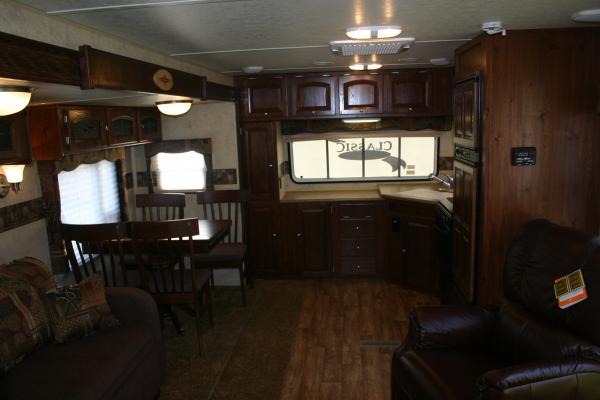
[209, 306]
[176, 321]
[243, 284]
[248, 274]
[198, 332]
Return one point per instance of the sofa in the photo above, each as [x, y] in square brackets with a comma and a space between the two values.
[525, 348]
[124, 362]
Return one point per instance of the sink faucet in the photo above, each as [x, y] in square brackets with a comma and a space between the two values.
[449, 183]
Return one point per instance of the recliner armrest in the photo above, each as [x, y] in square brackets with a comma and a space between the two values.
[566, 379]
[450, 326]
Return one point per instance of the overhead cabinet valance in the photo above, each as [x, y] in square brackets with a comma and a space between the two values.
[100, 69]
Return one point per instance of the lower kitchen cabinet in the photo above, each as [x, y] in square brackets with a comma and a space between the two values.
[263, 239]
[410, 246]
[307, 239]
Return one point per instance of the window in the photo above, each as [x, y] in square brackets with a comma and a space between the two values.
[89, 194]
[180, 171]
[363, 158]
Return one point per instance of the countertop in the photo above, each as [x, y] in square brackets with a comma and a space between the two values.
[423, 192]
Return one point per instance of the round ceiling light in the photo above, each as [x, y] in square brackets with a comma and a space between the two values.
[373, 32]
[174, 108]
[365, 66]
[13, 99]
[253, 69]
[587, 16]
[439, 61]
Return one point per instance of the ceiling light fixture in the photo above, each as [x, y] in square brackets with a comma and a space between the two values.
[13, 99]
[369, 47]
[365, 66]
[587, 16]
[13, 176]
[439, 61]
[253, 69]
[174, 108]
[361, 120]
[373, 32]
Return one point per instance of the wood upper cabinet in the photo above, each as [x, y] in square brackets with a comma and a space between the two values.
[14, 139]
[263, 239]
[149, 124]
[361, 94]
[264, 98]
[466, 105]
[122, 125]
[409, 92]
[442, 84]
[260, 158]
[312, 95]
[85, 127]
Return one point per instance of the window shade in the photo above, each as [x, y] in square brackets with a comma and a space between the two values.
[89, 194]
[180, 171]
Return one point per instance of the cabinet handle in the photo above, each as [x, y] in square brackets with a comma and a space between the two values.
[274, 235]
[410, 108]
[313, 112]
[106, 127]
[270, 165]
[67, 140]
[358, 267]
[358, 247]
[404, 250]
[346, 216]
[266, 113]
[357, 227]
[299, 234]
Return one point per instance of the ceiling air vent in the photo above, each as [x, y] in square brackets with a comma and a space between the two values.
[368, 47]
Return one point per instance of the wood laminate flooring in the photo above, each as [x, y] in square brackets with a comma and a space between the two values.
[305, 339]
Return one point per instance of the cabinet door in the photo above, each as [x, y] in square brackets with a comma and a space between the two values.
[14, 140]
[466, 98]
[149, 126]
[122, 125]
[262, 239]
[409, 92]
[361, 94]
[312, 95]
[312, 239]
[264, 98]
[419, 268]
[85, 127]
[465, 195]
[442, 84]
[463, 261]
[261, 160]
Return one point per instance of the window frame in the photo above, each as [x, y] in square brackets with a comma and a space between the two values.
[363, 180]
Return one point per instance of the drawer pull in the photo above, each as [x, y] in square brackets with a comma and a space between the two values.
[358, 227]
[358, 267]
[346, 216]
[358, 247]
[404, 250]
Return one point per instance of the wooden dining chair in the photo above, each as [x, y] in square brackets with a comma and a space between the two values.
[161, 249]
[160, 206]
[231, 252]
[98, 248]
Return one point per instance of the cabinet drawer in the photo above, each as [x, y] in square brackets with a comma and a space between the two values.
[356, 211]
[357, 228]
[358, 247]
[357, 265]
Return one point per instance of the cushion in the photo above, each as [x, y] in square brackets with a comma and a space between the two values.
[24, 323]
[32, 270]
[79, 310]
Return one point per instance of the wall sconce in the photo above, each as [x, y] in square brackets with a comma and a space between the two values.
[11, 179]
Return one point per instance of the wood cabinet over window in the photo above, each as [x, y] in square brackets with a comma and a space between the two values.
[409, 91]
[361, 94]
[313, 95]
[14, 142]
[59, 130]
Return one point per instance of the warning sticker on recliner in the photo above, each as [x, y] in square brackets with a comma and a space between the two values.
[570, 289]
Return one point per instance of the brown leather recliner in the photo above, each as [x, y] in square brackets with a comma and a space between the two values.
[527, 348]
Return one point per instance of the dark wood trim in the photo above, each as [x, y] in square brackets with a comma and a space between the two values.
[217, 91]
[16, 215]
[100, 69]
[31, 60]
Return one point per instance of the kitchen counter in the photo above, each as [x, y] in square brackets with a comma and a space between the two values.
[423, 192]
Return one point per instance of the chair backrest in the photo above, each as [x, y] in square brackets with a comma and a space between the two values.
[229, 205]
[543, 252]
[161, 249]
[160, 206]
[96, 248]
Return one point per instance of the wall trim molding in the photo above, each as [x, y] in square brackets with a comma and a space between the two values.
[16, 215]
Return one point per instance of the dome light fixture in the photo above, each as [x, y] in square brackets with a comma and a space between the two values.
[13, 99]
[588, 16]
[174, 108]
[373, 32]
[364, 66]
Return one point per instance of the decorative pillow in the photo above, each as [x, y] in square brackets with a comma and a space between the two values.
[33, 271]
[78, 310]
[24, 323]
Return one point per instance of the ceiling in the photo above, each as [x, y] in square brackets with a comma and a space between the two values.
[290, 35]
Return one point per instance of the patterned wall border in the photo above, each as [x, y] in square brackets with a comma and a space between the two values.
[20, 214]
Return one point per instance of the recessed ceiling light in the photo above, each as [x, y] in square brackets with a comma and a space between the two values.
[587, 16]
[439, 61]
[252, 69]
[323, 63]
[361, 120]
[365, 66]
[373, 32]
[174, 108]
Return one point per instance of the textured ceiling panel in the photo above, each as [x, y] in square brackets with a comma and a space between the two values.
[252, 24]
